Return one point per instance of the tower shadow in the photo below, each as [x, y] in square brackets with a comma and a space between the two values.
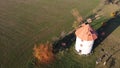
[106, 29]
[103, 32]
[64, 42]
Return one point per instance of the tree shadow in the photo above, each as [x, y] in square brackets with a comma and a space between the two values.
[106, 29]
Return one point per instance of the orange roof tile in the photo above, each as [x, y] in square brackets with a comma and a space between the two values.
[86, 32]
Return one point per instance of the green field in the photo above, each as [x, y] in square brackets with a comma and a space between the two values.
[26, 22]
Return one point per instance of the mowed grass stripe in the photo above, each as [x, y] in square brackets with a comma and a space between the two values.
[17, 32]
[27, 22]
[10, 32]
[19, 50]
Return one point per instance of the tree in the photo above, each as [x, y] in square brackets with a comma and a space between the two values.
[43, 53]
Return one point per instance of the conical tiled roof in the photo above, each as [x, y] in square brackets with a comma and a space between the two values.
[85, 32]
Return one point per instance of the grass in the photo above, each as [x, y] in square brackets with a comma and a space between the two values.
[97, 23]
[26, 22]
[70, 59]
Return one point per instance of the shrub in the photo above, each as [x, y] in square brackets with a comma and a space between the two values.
[43, 53]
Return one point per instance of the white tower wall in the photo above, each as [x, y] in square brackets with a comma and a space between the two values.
[83, 47]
